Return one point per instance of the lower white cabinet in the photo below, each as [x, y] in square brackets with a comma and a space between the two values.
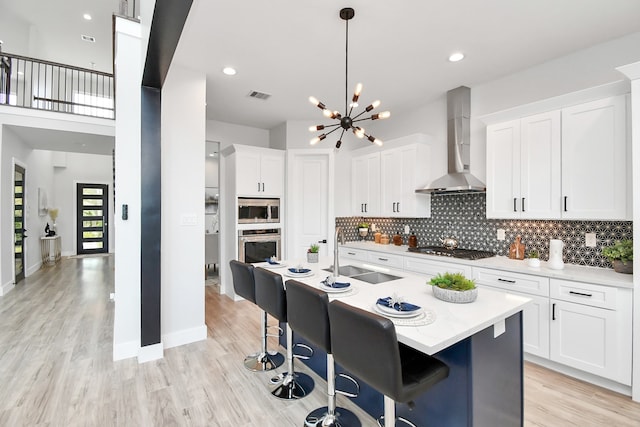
[359, 254]
[393, 261]
[586, 336]
[433, 268]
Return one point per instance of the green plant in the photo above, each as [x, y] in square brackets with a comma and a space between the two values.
[314, 248]
[453, 281]
[363, 225]
[533, 254]
[621, 251]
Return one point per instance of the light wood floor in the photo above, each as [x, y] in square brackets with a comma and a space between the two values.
[56, 368]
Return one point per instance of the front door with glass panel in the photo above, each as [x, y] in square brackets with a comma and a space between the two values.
[18, 222]
[92, 214]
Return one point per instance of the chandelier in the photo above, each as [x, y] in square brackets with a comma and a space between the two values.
[345, 121]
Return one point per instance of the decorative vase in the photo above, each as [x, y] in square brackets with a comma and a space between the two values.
[458, 297]
[363, 232]
[621, 267]
[312, 256]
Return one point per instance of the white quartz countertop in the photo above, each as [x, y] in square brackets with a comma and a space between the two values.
[600, 276]
[453, 322]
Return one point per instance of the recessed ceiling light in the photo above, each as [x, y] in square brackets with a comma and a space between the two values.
[229, 71]
[455, 57]
[87, 16]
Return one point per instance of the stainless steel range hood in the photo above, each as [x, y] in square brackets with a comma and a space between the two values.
[459, 180]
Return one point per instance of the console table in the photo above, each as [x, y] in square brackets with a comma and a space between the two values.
[50, 249]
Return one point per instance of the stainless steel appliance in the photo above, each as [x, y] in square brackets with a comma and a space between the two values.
[258, 245]
[256, 210]
[455, 253]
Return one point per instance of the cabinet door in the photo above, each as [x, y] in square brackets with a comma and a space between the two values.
[390, 182]
[540, 166]
[402, 170]
[594, 160]
[366, 185]
[584, 337]
[248, 182]
[535, 326]
[503, 170]
[272, 175]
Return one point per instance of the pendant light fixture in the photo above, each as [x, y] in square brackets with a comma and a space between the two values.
[345, 121]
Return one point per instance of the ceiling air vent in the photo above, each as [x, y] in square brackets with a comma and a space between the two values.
[88, 38]
[259, 95]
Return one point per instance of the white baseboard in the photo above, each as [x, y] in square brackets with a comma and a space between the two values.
[186, 336]
[581, 375]
[29, 271]
[149, 353]
[6, 288]
[125, 350]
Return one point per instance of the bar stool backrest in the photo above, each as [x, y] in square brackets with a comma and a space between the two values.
[308, 313]
[366, 345]
[270, 293]
[243, 280]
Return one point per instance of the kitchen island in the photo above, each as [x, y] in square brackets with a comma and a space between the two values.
[481, 342]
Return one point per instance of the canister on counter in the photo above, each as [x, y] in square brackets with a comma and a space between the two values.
[397, 239]
[413, 241]
[376, 236]
[384, 239]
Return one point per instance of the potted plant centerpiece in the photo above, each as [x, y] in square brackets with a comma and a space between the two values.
[620, 255]
[312, 252]
[454, 287]
[533, 259]
[363, 229]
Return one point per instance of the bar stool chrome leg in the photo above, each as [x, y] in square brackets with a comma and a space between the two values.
[292, 385]
[332, 416]
[264, 360]
[389, 418]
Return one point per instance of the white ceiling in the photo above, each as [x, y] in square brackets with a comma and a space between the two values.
[59, 140]
[292, 49]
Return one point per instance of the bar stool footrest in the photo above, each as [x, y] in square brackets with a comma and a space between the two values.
[261, 362]
[340, 418]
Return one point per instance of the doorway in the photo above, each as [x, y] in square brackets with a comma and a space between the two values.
[18, 221]
[92, 210]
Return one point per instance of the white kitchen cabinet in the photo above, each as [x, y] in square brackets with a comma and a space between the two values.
[586, 336]
[432, 268]
[564, 164]
[595, 160]
[365, 179]
[402, 170]
[535, 316]
[260, 172]
[389, 260]
[357, 254]
[523, 168]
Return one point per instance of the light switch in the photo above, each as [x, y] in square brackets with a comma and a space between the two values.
[590, 240]
[501, 234]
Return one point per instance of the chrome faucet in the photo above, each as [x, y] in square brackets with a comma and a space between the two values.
[339, 234]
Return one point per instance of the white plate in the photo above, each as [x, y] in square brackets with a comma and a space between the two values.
[280, 265]
[292, 274]
[334, 290]
[392, 312]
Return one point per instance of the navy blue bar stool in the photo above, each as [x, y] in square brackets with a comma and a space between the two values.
[272, 298]
[366, 345]
[308, 315]
[244, 285]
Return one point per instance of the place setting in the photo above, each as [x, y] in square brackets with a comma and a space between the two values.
[336, 288]
[402, 312]
[272, 262]
[298, 271]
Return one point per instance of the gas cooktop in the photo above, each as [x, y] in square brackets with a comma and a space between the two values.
[470, 254]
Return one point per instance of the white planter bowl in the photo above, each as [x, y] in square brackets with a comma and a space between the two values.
[533, 262]
[458, 297]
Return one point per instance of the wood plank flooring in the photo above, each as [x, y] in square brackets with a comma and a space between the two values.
[56, 368]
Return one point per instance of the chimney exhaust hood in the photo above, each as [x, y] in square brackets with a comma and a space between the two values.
[458, 180]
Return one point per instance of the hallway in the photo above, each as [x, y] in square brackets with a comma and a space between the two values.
[56, 367]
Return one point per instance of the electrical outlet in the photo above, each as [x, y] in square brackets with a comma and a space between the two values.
[590, 240]
[501, 235]
[406, 229]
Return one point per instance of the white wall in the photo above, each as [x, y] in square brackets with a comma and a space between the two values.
[80, 168]
[128, 68]
[227, 134]
[183, 175]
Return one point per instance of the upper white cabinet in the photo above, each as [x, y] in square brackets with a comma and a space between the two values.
[365, 181]
[402, 170]
[594, 160]
[384, 182]
[523, 168]
[260, 172]
[563, 164]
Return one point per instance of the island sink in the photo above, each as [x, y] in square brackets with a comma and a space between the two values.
[364, 274]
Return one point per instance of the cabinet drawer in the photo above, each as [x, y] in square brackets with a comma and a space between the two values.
[358, 254]
[584, 293]
[379, 258]
[534, 285]
[433, 268]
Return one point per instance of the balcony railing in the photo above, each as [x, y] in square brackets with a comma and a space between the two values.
[43, 85]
